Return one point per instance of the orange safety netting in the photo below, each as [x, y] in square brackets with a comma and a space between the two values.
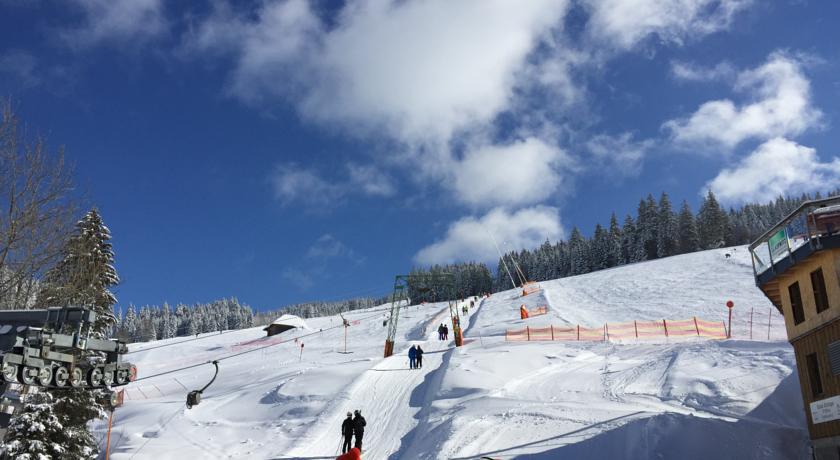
[694, 327]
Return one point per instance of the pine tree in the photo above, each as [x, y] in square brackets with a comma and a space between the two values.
[83, 277]
[667, 235]
[689, 240]
[578, 253]
[129, 326]
[599, 249]
[712, 223]
[614, 243]
[35, 432]
[628, 241]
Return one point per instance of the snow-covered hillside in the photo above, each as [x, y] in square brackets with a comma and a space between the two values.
[658, 399]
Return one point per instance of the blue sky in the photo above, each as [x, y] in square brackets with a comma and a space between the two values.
[283, 151]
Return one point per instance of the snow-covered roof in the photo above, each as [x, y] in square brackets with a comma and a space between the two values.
[291, 320]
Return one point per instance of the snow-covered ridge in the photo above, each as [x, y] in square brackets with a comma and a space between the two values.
[696, 399]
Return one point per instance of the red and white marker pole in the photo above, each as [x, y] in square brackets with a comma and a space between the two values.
[729, 305]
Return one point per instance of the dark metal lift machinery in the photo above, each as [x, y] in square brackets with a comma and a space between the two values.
[445, 284]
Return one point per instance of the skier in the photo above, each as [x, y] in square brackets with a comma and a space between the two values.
[445, 332]
[419, 357]
[412, 357]
[347, 432]
[359, 429]
[440, 332]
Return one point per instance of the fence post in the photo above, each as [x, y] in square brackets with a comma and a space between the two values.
[606, 332]
[528, 330]
[751, 321]
[552, 333]
[578, 335]
[769, 318]
[636, 327]
[696, 327]
[666, 327]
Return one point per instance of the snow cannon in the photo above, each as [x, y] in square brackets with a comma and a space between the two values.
[52, 348]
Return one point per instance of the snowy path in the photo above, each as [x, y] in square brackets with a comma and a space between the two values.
[389, 395]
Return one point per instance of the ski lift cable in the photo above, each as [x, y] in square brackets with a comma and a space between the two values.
[192, 366]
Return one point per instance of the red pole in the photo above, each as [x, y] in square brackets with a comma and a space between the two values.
[729, 305]
[696, 326]
[666, 327]
[729, 334]
[108, 444]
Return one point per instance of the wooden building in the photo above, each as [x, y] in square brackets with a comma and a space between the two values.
[283, 324]
[797, 266]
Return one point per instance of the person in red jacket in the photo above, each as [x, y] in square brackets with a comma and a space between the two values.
[353, 454]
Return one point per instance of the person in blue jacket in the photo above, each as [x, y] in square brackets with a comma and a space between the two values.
[412, 357]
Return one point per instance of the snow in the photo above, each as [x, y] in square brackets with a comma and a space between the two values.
[655, 399]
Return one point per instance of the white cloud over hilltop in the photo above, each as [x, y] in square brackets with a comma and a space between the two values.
[468, 237]
[777, 167]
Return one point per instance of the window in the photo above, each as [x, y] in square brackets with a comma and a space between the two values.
[796, 303]
[820, 296]
[814, 374]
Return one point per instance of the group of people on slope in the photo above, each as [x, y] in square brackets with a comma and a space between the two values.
[415, 357]
[443, 332]
[353, 426]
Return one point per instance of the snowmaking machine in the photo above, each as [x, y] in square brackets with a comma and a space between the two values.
[53, 348]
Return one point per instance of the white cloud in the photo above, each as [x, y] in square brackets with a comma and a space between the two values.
[780, 105]
[625, 23]
[329, 247]
[116, 21]
[619, 155]
[22, 65]
[372, 180]
[467, 239]
[777, 167]
[420, 71]
[520, 173]
[292, 183]
[692, 72]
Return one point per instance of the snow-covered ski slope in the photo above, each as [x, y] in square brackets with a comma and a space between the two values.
[655, 399]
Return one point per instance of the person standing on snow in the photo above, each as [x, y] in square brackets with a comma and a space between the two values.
[419, 357]
[445, 332]
[359, 428]
[440, 332]
[347, 432]
[412, 357]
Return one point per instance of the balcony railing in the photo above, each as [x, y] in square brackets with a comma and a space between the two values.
[808, 225]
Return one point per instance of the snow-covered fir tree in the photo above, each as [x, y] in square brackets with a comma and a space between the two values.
[35, 432]
[667, 236]
[83, 277]
[689, 240]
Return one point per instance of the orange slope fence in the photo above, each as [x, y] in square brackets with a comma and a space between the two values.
[633, 330]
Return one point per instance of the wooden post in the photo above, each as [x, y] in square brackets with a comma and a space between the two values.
[666, 327]
[751, 321]
[552, 333]
[108, 443]
[606, 332]
[636, 327]
[696, 327]
[528, 330]
[578, 335]
[769, 318]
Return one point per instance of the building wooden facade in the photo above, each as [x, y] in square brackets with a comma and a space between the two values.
[797, 266]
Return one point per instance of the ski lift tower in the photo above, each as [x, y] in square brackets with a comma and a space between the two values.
[444, 282]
